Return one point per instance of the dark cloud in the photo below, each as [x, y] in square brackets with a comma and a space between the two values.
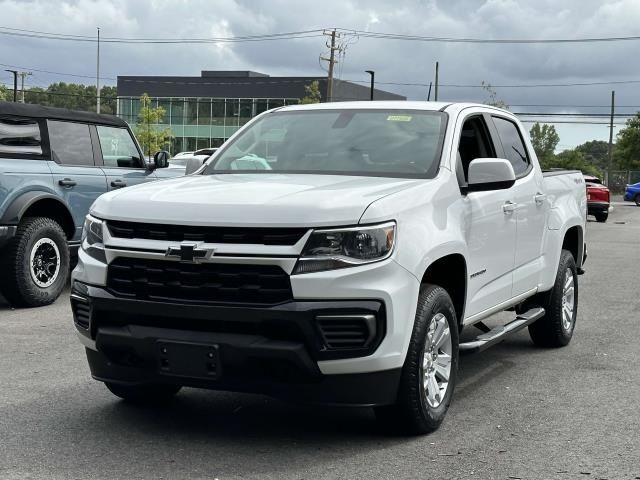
[393, 60]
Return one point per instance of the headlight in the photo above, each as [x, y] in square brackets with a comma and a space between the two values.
[92, 240]
[348, 247]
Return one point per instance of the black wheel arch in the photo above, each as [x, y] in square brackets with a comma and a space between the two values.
[450, 273]
[41, 204]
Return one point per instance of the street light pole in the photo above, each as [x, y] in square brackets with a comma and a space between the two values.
[15, 84]
[98, 75]
[373, 77]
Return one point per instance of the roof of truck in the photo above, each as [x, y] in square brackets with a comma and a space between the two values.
[39, 111]
[391, 105]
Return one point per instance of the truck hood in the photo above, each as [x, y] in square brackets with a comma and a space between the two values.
[275, 200]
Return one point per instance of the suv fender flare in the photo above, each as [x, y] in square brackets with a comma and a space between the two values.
[20, 204]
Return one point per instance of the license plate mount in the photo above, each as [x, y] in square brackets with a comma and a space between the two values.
[184, 359]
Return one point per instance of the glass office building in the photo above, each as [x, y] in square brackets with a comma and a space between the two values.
[200, 122]
[204, 111]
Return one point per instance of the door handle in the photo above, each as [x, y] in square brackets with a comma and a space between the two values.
[67, 182]
[540, 198]
[509, 207]
[118, 184]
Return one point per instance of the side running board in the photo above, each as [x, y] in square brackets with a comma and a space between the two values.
[496, 335]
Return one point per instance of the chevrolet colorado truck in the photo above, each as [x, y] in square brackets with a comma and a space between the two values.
[333, 253]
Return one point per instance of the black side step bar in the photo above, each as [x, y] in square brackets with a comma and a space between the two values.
[496, 335]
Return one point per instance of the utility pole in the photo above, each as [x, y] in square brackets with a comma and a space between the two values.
[437, 70]
[429, 93]
[15, 84]
[613, 101]
[98, 76]
[332, 61]
[22, 75]
[373, 76]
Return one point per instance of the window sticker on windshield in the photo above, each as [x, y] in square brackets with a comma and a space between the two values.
[399, 118]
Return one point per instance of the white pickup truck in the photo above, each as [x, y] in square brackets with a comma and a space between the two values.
[332, 254]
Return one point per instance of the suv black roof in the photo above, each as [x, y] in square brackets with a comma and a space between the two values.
[39, 111]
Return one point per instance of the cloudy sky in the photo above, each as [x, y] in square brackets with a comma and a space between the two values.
[511, 68]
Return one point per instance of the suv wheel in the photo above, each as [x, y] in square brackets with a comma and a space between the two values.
[601, 217]
[36, 262]
[430, 369]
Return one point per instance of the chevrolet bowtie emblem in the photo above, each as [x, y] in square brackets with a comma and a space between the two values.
[189, 252]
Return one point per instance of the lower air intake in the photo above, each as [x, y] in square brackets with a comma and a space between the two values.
[347, 331]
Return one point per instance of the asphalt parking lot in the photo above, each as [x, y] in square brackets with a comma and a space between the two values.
[518, 411]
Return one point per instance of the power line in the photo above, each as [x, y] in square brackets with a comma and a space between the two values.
[83, 38]
[315, 32]
[419, 38]
[56, 73]
[524, 85]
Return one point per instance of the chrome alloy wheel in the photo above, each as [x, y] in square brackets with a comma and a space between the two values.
[568, 300]
[436, 361]
[44, 262]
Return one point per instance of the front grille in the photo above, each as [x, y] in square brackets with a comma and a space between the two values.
[349, 331]
[179, 233]
[211, 283]
[81, 314]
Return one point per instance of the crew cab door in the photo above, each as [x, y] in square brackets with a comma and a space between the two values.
[76, 177]
[121, 160]
[530, 209]
[490, 228]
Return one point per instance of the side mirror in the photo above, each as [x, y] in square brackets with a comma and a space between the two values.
[193, 165]
[161, 159]
[490, 174]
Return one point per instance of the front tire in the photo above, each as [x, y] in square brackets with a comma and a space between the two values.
[637, 200]
[430, 369]
[35, 263]
[143, 394]
[556, 328]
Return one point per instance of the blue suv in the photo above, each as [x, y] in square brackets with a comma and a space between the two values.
[632, 193]
[53, 164]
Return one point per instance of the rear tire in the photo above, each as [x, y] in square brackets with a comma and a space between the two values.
[430, 369]
[556, 328]
[143, 394]
[637, 200]
[601, 217]
[35, 263]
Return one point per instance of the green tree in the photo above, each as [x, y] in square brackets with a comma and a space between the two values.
[151, 136]
[627, 152]
[574, 160]
[74, 96]
[544, 139]
[493, 99]
[5, 95]
[596, 152]
[312, 93]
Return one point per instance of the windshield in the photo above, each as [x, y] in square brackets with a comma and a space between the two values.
[404, 143]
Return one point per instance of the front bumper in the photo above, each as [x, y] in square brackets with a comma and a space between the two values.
[273, 350]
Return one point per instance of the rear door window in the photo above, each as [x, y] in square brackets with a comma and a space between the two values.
[118, 148]
[20, 137]
[70, 143]
[513, 145]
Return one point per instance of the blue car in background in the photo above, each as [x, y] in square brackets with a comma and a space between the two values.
[632, 193]
[53, 164]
